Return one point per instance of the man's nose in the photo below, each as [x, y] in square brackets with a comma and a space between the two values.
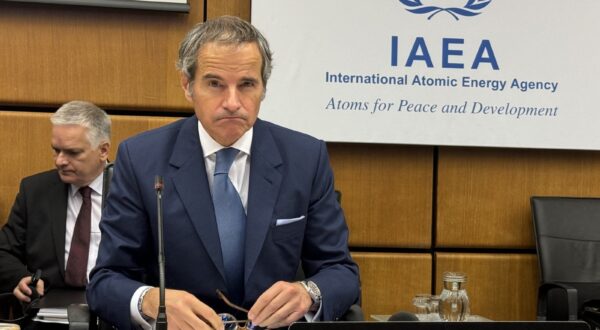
[232, 100]
[61, 159]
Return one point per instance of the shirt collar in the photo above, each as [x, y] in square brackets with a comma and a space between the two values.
[210, 146]
[96, 185]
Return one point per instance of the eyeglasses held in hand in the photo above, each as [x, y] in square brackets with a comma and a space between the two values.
[230, 322]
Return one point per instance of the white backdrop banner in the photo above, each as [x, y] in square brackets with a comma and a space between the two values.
[505, 73]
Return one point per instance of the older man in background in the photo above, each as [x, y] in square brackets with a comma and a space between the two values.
[53, 224]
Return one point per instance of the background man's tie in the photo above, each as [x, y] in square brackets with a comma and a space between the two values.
[231, 222]
[76, 273]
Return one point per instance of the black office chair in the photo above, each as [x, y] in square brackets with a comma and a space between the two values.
[108, 173]
[567, 231]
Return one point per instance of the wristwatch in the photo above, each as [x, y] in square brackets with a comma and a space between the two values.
[314, 293]
[139, 305]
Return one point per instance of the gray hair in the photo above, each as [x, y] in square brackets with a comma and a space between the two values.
[227, 30]
[87, 115]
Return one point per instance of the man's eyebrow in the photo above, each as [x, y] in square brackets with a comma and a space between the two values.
[67, 149]
[211, 76]
[252, 79]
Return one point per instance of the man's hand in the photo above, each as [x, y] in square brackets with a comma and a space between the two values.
[184, 310]
[279, 306]
[23, 292]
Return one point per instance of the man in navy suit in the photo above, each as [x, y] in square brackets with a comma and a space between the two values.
[285, 184]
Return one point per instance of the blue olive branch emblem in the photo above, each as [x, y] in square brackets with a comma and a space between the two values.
[471, 8]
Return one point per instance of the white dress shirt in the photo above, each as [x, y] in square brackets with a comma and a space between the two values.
[239, 173]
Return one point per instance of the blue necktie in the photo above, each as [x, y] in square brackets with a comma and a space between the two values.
[231, 222]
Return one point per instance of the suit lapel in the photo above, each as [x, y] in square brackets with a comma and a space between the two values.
[191, 184]
[57, 214]
[265, 180]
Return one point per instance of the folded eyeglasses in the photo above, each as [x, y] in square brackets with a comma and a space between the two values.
[230, 322]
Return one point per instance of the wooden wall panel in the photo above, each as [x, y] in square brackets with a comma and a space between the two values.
[390, 280]
[386, 193]
[25, 143]
[116, 58]
[240, 8]
[501, 287]
[127, 126]
[483, 193]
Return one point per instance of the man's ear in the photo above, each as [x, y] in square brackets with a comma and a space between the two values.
[186, 86]
[104, 148]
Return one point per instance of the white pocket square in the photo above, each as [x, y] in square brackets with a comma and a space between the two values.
[281, 222]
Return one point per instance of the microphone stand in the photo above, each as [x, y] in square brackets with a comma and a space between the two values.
[161, 319]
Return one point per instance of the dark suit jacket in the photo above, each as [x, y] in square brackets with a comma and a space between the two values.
[34, 236]
[290, 177]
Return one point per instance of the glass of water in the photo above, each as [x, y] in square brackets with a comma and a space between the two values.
[421, 303]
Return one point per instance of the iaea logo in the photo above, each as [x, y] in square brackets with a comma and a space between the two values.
[471, 8]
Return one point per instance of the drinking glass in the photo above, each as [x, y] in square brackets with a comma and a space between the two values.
[434, 309]
[421, 303]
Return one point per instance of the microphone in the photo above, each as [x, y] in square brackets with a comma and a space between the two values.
[161, 319]
[33, 285]
[403, 316]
